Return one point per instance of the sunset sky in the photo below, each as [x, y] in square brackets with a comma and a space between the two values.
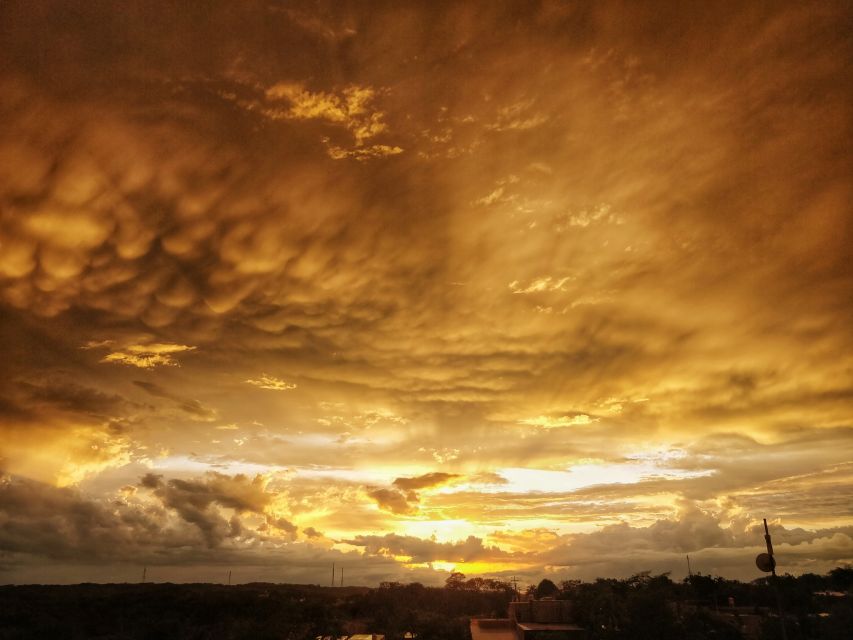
[547, 289]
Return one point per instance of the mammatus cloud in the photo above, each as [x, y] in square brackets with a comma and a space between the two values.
[581, 303]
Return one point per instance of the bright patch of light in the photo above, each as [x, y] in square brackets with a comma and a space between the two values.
[470, 568]
[361, 476]
[374, 475]
[523, 480]
[188, 465]
[442, 530]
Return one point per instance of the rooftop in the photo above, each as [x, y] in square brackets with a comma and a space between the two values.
[492, 630]
[548, 626]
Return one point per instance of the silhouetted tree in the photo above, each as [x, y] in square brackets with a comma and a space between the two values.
[568, 587]
[455, 580]
[546, 589]
[839, 623]
[700, 625]
[650, 618]
[841, 578]
[642, 607]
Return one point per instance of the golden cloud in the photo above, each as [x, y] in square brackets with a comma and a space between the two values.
[557, 422]
[148, 356]
[271, 382]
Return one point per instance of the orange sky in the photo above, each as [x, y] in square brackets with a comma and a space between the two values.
[538, 288]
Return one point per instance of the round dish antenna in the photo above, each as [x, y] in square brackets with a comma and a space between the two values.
[765, 562]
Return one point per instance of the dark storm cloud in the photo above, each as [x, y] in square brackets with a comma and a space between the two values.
[249, 252]
[427, 480]
[193, 407]
[194, 501]
[287, 526]
[59, 523]
[470, 550]
[402, 498]
[69, 396]
[394, 501]
[41, 525]
[236, 492]
[722, 548]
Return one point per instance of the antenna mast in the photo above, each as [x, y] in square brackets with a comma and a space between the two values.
[769, 548]
[767, 563]
[514, 582]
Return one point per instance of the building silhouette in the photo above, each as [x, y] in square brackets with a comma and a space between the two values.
[530, 619]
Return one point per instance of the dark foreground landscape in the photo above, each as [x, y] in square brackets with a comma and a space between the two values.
[640, 607]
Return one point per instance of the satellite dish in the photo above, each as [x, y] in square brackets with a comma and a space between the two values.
[765, 562]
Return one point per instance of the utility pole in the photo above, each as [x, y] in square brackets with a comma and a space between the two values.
[229, 577]
[767, 563]
[514, 582]
[144, 571]
[342, 576]
[333, 574]
[689, 571]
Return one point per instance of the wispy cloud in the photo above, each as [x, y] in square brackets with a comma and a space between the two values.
[557, 422]
[271, 383]
[148, 356]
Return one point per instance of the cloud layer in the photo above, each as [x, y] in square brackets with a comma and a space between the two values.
[532, 287]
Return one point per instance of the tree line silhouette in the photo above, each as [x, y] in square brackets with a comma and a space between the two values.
[641, 607]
